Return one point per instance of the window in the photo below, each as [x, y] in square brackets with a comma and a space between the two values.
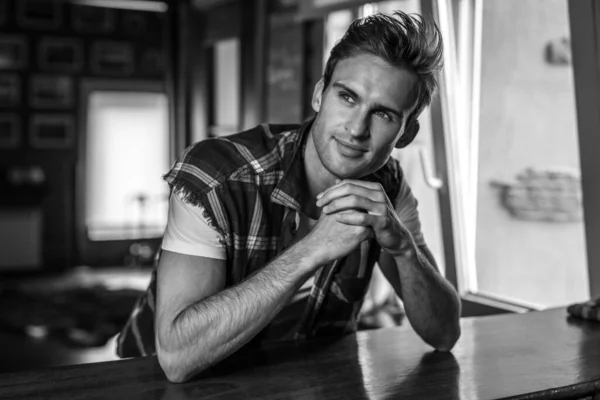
[227, 87]
[127, 152]
[336, 24]
[513, 145]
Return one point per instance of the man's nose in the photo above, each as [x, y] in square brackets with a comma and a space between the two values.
[358, 124]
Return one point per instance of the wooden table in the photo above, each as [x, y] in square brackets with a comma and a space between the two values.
[537, 355]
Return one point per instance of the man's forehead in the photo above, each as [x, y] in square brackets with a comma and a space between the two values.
[375, 78]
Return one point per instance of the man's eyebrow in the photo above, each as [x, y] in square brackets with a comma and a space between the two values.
[390, 110]
[341, 86]
[377, 106]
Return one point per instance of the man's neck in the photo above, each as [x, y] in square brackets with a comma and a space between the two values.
[317, 179]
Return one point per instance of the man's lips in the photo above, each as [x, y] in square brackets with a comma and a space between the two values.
[351, 146]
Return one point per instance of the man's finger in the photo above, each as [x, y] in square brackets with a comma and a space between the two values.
[358, 203]
[368, 185]
[356, 218]
[348, 189]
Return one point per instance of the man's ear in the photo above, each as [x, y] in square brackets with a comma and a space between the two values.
[410, 132]
[317, 95]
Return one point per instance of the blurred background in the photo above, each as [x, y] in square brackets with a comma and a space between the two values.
[99, 97]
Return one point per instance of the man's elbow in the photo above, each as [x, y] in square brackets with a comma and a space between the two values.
[176, 370]
[172, 367]
[447, 341]
[174, 376]
[450, 330]
[176, 366]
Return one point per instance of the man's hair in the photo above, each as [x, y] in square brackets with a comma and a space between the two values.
[402, 40]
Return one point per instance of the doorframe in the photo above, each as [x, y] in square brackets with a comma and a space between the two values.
[248, 22]
[584, 18]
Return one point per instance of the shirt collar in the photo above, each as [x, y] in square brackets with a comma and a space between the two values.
[289, 189]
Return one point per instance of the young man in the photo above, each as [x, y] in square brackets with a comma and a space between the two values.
[273, 232]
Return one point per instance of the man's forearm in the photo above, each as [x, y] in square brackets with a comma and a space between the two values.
[211, 329]
[431, 303]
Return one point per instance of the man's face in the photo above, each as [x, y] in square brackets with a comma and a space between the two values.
[361, 115]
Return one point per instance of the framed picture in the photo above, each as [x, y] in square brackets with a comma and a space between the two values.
[92, 19]
[10, 90]
[112, 58]
[152, 62]
[39, 14]
[60, 55]
[3, 12]
[49, 91]
[283, 5]
[13, 52]
[51, 131]
[134, 23]
[10, 131]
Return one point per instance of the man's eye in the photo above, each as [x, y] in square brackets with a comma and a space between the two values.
[347, 98]
[383, 115]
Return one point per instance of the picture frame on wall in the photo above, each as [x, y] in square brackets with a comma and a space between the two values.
[51, 91]
[89, 19]
[10, 90]
[10, 131]
[112, 58]
[39, 14]
[134, 23]
[60, 55]
[52, 131]
[13, 52]
[3, 12]
[152, 62]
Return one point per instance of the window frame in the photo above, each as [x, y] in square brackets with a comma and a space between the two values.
[584, 17]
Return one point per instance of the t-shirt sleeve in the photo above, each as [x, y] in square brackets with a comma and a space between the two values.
[406, 208]
[188, 232]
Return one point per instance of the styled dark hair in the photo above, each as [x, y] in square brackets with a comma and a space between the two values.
[402, 40]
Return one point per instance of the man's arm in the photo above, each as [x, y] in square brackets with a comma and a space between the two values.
[198, 323]
[431, 303]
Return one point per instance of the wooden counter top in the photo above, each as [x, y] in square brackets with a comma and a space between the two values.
[536, 355]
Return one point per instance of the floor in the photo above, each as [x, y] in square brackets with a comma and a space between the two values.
[31, 348]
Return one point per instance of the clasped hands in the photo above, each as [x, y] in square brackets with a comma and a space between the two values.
[361, 203]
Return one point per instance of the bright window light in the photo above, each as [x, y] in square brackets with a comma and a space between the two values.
[127, 152]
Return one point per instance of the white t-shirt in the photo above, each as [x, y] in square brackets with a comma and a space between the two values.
[188, 232]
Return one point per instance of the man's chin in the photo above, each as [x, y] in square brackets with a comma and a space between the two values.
[350, 170]
[342, 174]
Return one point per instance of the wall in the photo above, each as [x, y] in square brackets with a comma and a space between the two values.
[286, 56]
[528, 119]
[64, 45]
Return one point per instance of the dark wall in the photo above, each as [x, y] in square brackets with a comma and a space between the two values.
[293, 62]
[47, 50]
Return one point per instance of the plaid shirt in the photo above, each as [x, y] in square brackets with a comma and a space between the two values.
[250, 185]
